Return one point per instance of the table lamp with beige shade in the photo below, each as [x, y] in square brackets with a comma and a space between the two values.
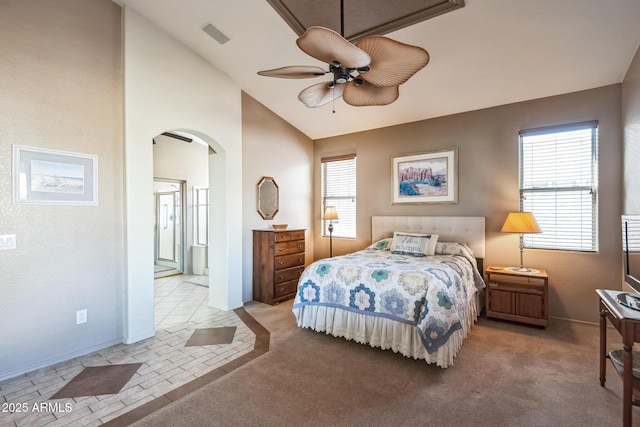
[521, 222]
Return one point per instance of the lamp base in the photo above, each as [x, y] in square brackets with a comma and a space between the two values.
[522, 270]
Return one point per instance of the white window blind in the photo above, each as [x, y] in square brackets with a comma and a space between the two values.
[558, 183]
[339, 190]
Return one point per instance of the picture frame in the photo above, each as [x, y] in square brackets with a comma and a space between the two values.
[43, 176]
[425, 177]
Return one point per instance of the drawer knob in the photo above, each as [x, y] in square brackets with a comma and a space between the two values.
[281, 249]
[299, 259]
[281, 276]
[280, 262]
[300, 246]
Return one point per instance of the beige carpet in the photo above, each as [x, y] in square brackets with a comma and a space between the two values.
[505, 375]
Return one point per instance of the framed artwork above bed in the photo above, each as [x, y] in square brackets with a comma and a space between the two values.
[425, 177]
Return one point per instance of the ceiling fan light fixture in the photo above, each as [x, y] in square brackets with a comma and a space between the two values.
[381, 62]
[341, 75]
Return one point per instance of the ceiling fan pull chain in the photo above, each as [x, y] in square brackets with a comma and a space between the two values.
[333, 95]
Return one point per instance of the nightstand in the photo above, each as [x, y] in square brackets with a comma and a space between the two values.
[517, 296]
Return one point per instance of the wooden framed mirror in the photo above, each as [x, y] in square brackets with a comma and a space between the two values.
[268, 197]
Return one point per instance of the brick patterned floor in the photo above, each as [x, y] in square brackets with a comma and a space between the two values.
[180, 309]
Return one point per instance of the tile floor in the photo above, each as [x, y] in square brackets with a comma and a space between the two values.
[167, 365]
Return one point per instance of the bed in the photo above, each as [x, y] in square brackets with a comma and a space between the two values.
[420, 306]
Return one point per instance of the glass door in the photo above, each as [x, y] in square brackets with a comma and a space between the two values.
[168, 247]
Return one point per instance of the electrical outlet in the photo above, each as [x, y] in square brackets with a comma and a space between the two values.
[81, 316]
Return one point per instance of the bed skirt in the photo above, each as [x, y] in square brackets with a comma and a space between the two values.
[385, 333]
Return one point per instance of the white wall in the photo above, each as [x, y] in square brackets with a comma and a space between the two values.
[62, 94]
[169, 87]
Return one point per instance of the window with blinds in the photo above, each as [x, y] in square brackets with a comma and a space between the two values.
[200, 215]
[339, 190]
[559, 183]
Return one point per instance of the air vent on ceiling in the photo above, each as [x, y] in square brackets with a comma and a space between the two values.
[215, 33]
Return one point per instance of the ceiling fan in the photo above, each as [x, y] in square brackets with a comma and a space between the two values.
[366, 73]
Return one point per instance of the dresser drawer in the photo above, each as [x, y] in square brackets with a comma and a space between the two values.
[286, 288]
[504, 278]
[285, 236]
[282, 236]
[291, 247]
[286, 261]
[289, 274]
[297, 235]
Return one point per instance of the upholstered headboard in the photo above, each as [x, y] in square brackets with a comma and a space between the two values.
[463, 229]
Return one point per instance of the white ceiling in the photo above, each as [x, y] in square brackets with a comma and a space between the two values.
[488, 53]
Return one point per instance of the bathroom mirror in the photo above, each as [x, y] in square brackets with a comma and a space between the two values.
[268, 195]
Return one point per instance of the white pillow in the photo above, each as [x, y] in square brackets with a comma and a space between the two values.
[453, 248]
[416, 244]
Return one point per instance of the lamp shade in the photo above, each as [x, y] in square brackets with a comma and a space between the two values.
[521, 222]
[330, 213]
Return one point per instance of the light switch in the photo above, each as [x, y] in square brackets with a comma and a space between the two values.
[7, 241]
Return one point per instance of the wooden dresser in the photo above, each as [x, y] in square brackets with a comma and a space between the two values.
[278, 262]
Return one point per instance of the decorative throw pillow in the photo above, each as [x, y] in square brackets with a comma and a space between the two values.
[382, 245]
[453, 248]
[415, 244]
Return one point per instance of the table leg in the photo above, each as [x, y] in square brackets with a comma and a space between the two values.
[603, 346]
[627, 385]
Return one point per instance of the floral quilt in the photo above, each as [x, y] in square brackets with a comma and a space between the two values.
[427, 292]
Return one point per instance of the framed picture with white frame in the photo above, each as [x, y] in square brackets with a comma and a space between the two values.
[43, 176]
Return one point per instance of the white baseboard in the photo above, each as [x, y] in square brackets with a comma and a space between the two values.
[58, 359]
[132, 340]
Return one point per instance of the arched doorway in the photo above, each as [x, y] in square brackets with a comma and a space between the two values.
[216, 174]
[224, 255]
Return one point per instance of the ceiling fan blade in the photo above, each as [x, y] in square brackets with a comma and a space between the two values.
[320, 94]
[294, 72]
[327, 46]
[369, 95]
[392, 62]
